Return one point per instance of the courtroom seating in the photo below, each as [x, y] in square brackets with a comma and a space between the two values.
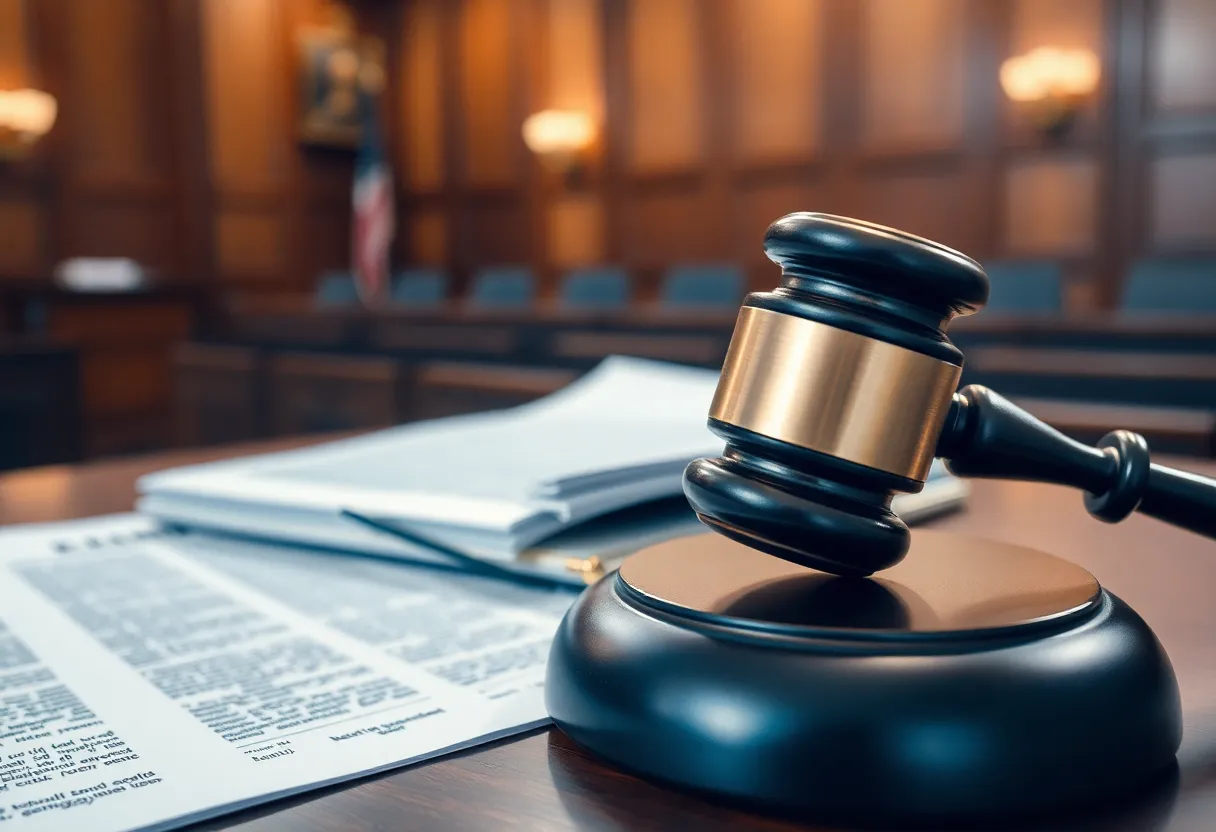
[419, 288]
[1028, 287]
[1116, 376]
[337, 289]
[502, 287]
[218, 393]
[1171, 286]
[594, 287]
[447, 388]
[317, 392]
[702, 286]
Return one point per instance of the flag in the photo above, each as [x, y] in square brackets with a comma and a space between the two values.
[372, 202]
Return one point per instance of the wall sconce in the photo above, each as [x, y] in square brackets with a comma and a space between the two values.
[562, 140]
[25, 117]
[1054, 82]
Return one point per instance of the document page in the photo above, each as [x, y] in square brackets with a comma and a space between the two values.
[149, 680]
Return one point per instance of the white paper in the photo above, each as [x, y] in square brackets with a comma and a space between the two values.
[149, 681]
[489, 485]
[619, 436]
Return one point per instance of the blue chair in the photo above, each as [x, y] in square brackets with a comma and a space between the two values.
[419, 288]
[336, 289]
[502, 287]
[601, 287]
[702, 287]
[1029, 287]
[1171, 286]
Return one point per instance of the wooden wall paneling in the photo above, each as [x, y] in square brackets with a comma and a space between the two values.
[250, 245]
[1182, 66]
[985, 36]
[1106, 262]
[1077, 24]
[325, 243]
[575, 56]
[1127, 43]
[306, 168]
[716, 75]
[575, 230]
[925, 200]
[117, 97]
[112, 188]
[1182, 201]
[14, 49]
[421, 124]
[194, 206]
[24, 225]
[245, 95]
[426, 233]
[1060, 206]
[913, 74]
[666, 118]
[455, 144]
[103, 225]
[776, 53]
[532, 25]
[1050, 207]
[758, 203]
[572, 78]
[21, 237]
[614, 162]
[489, 86]
[666, 223]
[499, 230]
[841, 91]
[248, 138]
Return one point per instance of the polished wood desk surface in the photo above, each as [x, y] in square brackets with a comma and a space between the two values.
[542, 782]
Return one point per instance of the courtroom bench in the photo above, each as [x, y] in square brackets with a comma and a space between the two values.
[231, 393]
[124, 341]
[1114, 376]
[1106, 331]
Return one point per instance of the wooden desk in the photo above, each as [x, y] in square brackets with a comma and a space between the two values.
[542, 782]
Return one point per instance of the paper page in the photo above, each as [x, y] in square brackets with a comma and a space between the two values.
[146, 682]
[488, 470]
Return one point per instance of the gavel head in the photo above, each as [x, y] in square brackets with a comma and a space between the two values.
[833, 393]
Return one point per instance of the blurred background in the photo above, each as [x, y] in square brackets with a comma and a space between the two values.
[229, 219]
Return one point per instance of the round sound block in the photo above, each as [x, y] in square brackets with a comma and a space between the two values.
[973, 681]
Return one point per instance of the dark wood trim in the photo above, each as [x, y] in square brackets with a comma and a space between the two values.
[615, 130]
[530, 29]
[453, 137]
[1131, 212]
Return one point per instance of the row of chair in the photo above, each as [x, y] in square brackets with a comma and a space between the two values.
[514, 287]
[1163, 285]
[1153, 286]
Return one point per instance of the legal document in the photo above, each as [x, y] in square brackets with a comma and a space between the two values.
[150, 679]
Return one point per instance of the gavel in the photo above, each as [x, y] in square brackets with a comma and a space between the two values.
[838, 390]
[976, 680]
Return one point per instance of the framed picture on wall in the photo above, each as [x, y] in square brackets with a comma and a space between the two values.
[332, 61]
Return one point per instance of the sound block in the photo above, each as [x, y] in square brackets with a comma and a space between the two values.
[973, 682]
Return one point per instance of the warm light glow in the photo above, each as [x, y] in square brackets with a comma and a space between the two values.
[558, 132]
[27, 113]
[1049, 72]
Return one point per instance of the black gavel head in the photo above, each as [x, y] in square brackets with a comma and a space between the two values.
[834, 391]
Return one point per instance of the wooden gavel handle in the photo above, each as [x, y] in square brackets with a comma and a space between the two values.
[986, 435]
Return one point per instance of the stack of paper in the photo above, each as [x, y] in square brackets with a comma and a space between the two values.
[490, 485]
